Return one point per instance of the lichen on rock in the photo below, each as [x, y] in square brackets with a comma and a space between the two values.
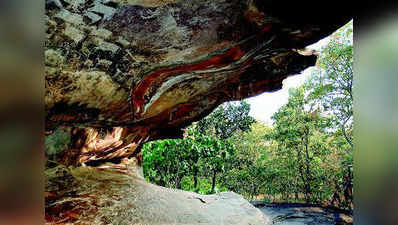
[53, 58]
[57, 142]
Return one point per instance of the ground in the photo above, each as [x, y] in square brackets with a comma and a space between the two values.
[303, 214]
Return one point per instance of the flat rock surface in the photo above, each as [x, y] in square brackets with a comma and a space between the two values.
[302, 214]
[169, 206]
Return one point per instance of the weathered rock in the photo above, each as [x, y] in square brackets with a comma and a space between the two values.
[70, 17]
[74, 34]
[84, 195]
[159, 65]
[123, 72]
[219, 50]
[53, 58]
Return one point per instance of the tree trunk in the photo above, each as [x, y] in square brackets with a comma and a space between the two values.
[348, 139]
[307, 165]
[195, 177]
[178, 183]
[301, 172]
[348, 188]
[213, 181]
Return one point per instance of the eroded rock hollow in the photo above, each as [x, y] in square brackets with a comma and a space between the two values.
[120, 73]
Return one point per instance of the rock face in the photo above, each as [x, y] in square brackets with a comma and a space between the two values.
[123, 72]
[153, 66]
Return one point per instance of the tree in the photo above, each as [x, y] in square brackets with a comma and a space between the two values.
[223, 123]
[246, 170]
[332, 83]
[330, 90]
[302, 145]
[167, 162]
[312, 133]
[226, 120]
[215, 156]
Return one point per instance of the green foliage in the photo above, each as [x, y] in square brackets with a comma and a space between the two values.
[167, 162]
[330, 89]
[226, 120]
[310, 155]
[246, 172]
[202, 154]
[301, 151]
[203, 187]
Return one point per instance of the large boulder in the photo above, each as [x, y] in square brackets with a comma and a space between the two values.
[88, 195]
[120, 73]
[158, 205]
